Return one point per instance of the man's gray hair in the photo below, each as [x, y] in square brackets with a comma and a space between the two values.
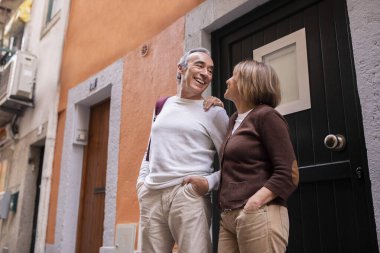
[185, 58]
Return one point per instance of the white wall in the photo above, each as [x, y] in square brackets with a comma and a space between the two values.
[39, 123]
[48, 49]
[364, 16]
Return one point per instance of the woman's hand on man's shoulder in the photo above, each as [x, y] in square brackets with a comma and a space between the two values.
[212, 101]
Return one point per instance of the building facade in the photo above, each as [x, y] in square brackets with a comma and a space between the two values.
[115, 67]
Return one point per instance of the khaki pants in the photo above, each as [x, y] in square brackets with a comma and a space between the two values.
[262, 231]
[174, 214]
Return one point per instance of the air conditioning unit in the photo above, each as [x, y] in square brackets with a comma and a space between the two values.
[17, 82]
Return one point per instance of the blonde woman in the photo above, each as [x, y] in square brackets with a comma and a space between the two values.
[258, 165]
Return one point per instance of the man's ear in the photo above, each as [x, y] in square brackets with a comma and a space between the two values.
[179, 71]
[179, 68]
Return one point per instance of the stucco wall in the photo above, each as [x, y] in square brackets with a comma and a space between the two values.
[145, 79]
[101, 32]
[364, 16]
[48, 49]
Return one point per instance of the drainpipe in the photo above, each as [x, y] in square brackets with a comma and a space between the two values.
[43, 209]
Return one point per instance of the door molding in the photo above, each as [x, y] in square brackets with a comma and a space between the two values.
[108, 84]
[363, 22]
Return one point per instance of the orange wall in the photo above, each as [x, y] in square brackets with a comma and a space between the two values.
[55, 178]
[145, 79]
[100, 32]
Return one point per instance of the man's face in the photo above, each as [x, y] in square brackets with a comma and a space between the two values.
[197, 76]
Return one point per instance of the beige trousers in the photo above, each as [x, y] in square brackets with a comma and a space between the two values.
[262, 231]
[174, 214]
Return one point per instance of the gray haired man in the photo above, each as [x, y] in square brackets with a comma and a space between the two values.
[174, 182]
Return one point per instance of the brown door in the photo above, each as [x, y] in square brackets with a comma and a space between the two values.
[332, 209]
[91, 212]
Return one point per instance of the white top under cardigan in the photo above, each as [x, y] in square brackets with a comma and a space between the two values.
[240, 119]
[184, 140]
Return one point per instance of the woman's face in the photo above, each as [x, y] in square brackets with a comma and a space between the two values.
[232, 92]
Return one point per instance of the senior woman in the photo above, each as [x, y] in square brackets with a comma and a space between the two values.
[258, 167]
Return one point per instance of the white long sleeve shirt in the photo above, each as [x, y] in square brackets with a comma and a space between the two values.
[184, 140]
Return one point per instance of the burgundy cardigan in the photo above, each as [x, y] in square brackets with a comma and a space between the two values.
[258, 154]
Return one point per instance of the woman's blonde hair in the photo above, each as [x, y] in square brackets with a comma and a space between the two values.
[258, 83]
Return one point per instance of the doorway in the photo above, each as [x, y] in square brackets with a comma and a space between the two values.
[38, 154]
[92, 200]
[332, 209]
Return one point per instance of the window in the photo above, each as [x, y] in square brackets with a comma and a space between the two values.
[52, 9]
[288, 57]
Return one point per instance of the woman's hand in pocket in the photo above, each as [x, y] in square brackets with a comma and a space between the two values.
[260, 198]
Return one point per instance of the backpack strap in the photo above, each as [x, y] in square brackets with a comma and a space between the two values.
[158, 108]
[159, 105]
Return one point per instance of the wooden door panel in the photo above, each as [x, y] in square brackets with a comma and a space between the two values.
[325, 172]
[327, 225]
[317, 87]
[91, 214]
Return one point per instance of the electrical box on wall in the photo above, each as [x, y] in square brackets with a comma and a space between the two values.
[5, 198]
[82, 117]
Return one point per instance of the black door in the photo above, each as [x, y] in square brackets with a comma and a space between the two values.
[332, 209]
